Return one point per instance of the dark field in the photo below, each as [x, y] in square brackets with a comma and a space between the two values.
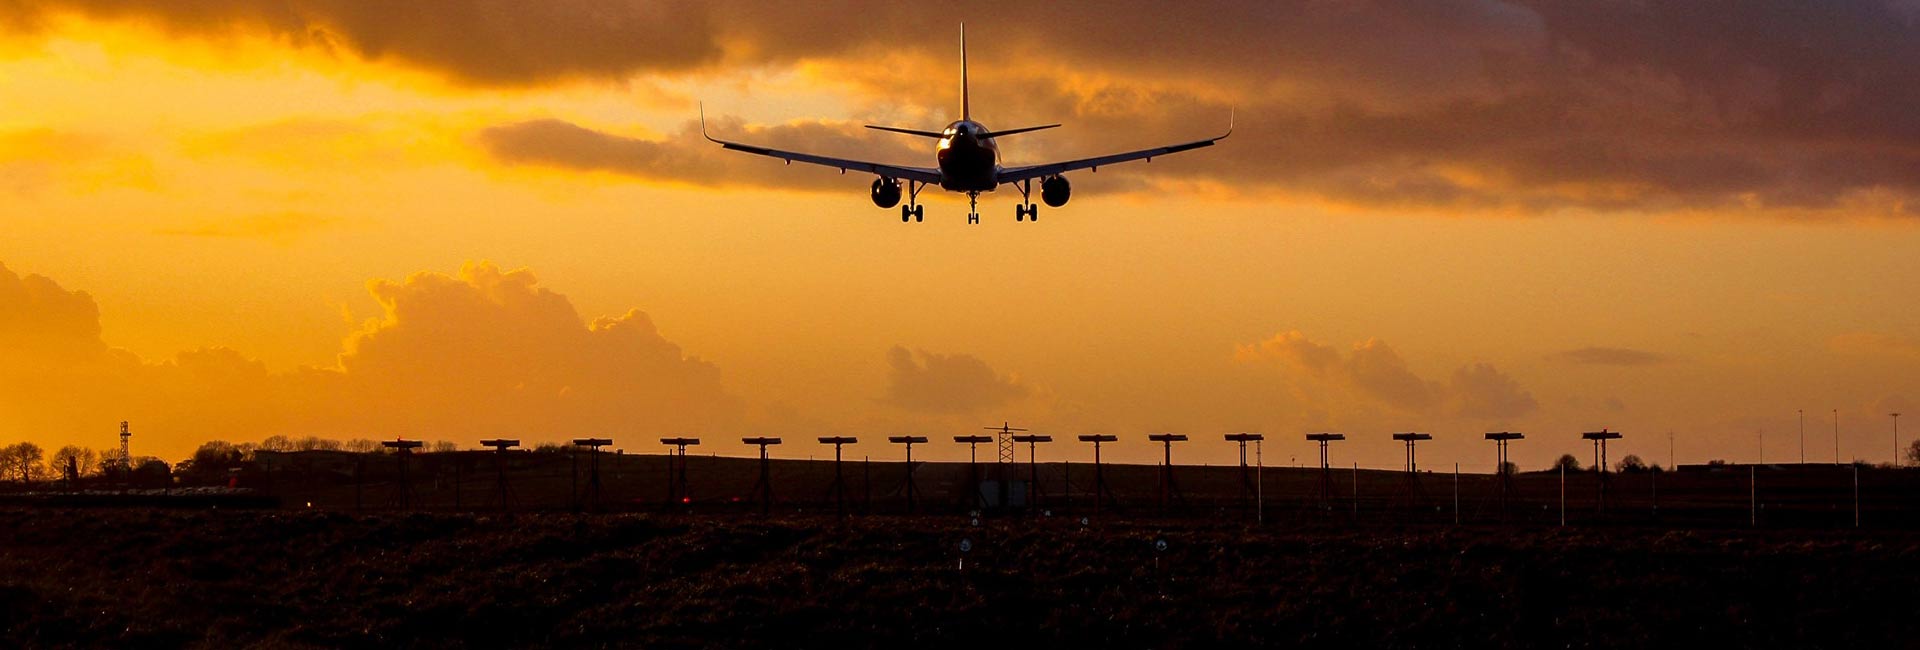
[124, 577]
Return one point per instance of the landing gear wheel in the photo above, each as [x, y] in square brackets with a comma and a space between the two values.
[912, 213]
[1026, 211]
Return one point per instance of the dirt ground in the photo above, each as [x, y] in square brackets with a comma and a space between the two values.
[149, 578]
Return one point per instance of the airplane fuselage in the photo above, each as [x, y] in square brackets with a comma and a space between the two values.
[969, 159]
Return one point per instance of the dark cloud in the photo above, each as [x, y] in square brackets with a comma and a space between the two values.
[1532, 106]
[1601, 356]
[945, 383]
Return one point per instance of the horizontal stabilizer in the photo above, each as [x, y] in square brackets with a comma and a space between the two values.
[895, 129]
[996, 134]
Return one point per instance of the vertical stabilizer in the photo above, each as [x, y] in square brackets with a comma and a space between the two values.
[966, 106]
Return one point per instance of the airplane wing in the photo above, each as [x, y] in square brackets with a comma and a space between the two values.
[921, 174]
[1017, 174]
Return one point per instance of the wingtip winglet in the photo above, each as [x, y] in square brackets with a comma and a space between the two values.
[703, 124]
[1223, 136]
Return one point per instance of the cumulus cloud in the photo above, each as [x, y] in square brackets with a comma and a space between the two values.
[1372, 372]
[1603, 356]
[1482, 391]
[483, 352]
[935, 383]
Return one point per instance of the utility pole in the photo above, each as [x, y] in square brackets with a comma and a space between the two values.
[1896, 439]
[1803, 435]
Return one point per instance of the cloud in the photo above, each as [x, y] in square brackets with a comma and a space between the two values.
[39, 318]
[935, 383]
[1483, 392]
[1531, 107]
[483, 352]
[1372, 372]
[687, 157]
[1603, 356]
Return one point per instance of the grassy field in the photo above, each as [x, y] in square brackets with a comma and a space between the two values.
[126, 577]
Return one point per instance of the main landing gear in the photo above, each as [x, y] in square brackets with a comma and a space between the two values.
[913, 210]
[1026, 210]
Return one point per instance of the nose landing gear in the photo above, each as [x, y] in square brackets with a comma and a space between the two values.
[973, 207]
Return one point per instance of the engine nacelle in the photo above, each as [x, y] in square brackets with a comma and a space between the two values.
[1055, 191]
[886, 192]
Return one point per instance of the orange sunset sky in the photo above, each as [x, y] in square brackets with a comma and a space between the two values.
[456, 219]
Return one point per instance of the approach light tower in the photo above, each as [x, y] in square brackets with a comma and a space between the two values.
[1326, 471]
[973, 443]
[1502, 466]
[1414, 493]
[1250, 490]
[909, 442]
[1600, 439]
[1033, 466]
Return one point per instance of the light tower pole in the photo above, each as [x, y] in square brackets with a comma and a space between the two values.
[1896, 439]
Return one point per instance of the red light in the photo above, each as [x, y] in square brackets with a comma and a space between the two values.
[686, 500]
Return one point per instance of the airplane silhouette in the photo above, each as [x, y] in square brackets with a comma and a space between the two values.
[969, 161]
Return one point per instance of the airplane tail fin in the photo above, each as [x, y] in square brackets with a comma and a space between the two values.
[966, 106]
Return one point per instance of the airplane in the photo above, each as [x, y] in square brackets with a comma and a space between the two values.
[969, 162]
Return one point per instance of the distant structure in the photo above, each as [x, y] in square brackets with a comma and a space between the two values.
[1100, 492]
[1033, 467]
[677, 492]
[1502, 466]
[402, 449]
[1249, 490]
[500, 450]
[977, 498]
[125, 462]
[839, 480]
[763, 486]
[591, 498]
[1005, 437]
[909, 441]
[1168, 491]
[1326, 470]
[1415, 494]
[1600, 439]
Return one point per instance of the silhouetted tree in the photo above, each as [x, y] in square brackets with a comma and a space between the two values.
[151, 472]
[317, 443]
[1630, 465]
[83, 460]
[1913, 452]
[1509, 468]
[1566, 462]
[22, 461]
[440, 446]
[361, 445]
[277, 443]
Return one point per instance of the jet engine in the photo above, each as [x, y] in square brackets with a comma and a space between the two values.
[1055, 191]
[886, 192]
